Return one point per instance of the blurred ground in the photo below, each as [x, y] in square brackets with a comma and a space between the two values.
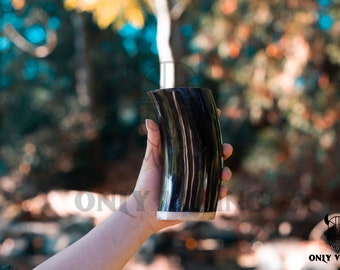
[33, 229]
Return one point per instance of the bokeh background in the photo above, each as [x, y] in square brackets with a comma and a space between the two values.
[73, 82]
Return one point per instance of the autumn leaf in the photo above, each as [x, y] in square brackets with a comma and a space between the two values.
[112, 12]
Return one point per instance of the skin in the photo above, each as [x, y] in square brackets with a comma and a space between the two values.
[112, 243]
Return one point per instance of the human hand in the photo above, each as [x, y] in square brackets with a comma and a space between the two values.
[150, 177]
[107, 245]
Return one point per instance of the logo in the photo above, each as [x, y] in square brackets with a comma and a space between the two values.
[333, 231]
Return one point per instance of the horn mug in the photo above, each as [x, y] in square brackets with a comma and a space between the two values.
[191, 146]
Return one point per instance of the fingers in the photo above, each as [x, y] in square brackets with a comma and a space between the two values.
[152, 152]
[227, 150]
[226, 175]
[218, 112]
[226, 172]
[223, 192]
[153, 138]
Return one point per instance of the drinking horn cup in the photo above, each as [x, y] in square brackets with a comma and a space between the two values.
[191, 147]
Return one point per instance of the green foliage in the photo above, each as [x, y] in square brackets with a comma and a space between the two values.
[48, 134]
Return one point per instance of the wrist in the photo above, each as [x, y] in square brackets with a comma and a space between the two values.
[134, 210]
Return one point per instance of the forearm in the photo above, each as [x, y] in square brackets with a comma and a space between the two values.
[109, 245]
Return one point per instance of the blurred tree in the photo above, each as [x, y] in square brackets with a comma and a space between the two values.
[273, 67]
[68, 110]
[74, 74]
[26, 79]
[277, 68]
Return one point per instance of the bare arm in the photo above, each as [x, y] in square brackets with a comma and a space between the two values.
[112, 243]
[109, 245]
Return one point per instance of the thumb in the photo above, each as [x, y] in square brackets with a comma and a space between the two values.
[153, 148]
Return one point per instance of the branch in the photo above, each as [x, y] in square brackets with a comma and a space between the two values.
[167, 67]
[25, 45]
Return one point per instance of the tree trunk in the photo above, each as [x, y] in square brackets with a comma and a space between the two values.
[83, 77]
[167, 67]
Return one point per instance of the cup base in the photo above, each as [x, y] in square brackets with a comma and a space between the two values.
[163, 215]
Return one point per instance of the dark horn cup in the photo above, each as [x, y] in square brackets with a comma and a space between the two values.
[191, 143]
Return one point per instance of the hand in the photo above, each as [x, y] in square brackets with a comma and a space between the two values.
[150, 177]
[106, 246]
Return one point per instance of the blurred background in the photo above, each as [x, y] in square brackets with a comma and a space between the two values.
[73, 82]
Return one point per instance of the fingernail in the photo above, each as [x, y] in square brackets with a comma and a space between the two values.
[151, 125]
[227, 173]
[147, 123]
[223, 192]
